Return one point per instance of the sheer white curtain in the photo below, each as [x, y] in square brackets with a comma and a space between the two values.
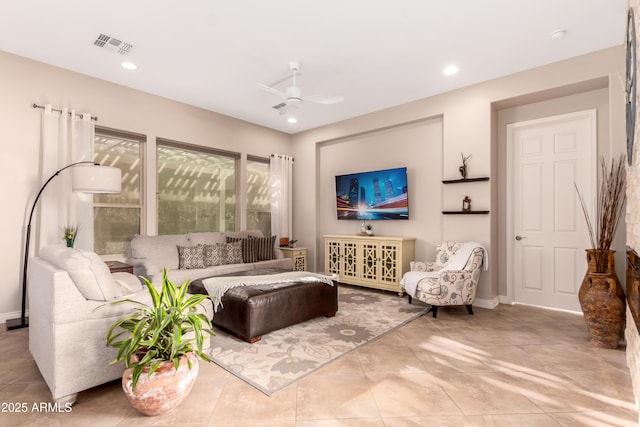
[281, 175]
[67, 137]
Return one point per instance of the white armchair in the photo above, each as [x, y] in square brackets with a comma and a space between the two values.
[452, 279]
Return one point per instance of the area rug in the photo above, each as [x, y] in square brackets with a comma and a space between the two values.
[282, 357]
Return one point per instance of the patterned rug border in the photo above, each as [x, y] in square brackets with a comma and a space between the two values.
[423, 310]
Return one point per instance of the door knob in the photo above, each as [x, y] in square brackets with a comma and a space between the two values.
[520, 237]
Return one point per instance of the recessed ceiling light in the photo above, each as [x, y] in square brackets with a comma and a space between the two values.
[292, 120]
[450, 70]
[558, 34]
[129, 65]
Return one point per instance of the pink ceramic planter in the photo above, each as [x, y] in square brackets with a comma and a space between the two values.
[165, 389]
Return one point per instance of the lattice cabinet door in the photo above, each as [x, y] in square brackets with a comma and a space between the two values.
[300, 263]
[333, 256]
[370, 256]
[390, 263]
[350, 260]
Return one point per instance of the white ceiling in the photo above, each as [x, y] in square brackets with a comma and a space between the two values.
[377, 53]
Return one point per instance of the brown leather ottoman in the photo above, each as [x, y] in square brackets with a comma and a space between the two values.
[251, 311]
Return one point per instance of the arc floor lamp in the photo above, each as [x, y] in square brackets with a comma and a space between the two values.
[89, 178]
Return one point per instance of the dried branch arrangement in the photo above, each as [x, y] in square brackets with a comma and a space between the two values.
[609, 208]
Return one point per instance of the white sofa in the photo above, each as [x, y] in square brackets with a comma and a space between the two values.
[70, 311]
[150, 254]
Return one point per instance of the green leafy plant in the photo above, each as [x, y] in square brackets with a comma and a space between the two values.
[69, 235]
[158, 332]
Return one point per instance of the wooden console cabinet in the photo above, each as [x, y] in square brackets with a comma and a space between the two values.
[374, 262]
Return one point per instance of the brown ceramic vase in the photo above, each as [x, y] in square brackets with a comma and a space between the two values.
[603, 310]
[163, 390]
[610, 269]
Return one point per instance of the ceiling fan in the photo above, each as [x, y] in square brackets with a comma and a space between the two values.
[293, 94]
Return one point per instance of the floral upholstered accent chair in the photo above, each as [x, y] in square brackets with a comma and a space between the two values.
[452, 279]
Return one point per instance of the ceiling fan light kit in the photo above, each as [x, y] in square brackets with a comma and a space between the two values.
[293, 94]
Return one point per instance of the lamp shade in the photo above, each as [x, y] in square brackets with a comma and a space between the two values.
[96, 179]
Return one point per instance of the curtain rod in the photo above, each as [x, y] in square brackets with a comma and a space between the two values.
[95, 119]
[280, 156]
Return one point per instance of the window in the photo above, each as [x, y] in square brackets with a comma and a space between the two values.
[118, 217]
[258, 195]
[196, 189]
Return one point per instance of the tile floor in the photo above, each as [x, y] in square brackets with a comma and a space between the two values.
[511, 366]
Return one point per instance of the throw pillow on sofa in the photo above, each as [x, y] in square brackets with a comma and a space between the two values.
[244, 234]
[214, 254]
[190, 257]
[222, 254]
[87, 270]
[265, 247]
[233, 253]
[249, 253]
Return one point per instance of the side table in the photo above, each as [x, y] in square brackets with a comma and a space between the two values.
[119, 267]
[299, 257]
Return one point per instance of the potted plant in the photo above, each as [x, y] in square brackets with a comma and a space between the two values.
[601, 296]
[292, 243]
[160, 344]
[369, 229]
[69, 235]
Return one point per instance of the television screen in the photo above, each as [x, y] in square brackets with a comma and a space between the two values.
[373, 195]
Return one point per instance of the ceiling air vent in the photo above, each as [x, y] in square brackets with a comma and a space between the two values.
[112, 44]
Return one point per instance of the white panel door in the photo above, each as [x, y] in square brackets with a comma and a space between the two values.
[548, 237]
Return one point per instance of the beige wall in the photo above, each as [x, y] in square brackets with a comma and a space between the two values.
[24, 82]
[469, 125]
[416, 146]
[468, 118]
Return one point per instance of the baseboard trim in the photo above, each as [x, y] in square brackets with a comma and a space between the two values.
[17, 323]
[504, 299]
[11, 315]
[486, 303]
[579, 313]
[507, 300]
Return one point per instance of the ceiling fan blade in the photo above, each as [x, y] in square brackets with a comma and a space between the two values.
[271, 90]
[324, 99]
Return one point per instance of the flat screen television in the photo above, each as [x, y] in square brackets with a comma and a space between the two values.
[380, 194]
